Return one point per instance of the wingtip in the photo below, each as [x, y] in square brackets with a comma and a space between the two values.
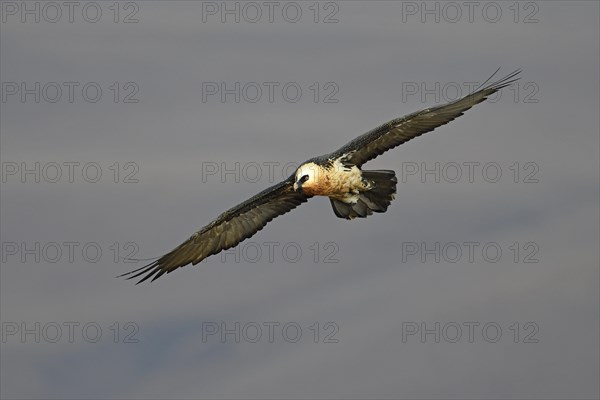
[150, 269]
[503, 82]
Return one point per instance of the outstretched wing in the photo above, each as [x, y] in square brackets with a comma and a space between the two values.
[229, 229]
[400, 130]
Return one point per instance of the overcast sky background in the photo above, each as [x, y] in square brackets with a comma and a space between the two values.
[371, 61]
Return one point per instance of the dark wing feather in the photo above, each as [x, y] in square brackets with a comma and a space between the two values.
[400, 130]
[229, 229]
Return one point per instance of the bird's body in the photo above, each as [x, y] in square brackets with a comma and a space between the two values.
[332, 179]
[353, 192]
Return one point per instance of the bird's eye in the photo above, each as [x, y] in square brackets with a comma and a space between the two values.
[304, 178]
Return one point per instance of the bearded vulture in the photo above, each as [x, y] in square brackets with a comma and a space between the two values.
[353, 191]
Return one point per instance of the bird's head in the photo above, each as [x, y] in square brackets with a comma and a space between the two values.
[306, 177]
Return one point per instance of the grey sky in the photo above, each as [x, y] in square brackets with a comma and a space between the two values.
[372, 280]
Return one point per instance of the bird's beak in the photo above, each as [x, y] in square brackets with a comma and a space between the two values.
[298, 187]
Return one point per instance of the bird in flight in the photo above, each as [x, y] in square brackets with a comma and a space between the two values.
[353, 192]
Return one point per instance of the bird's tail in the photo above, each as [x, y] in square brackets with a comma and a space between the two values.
[377, 199]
